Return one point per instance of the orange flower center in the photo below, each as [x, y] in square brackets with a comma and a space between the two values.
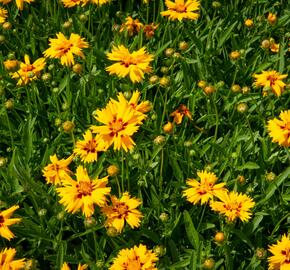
[233, 207]
[84, 188]
[64, 47]
[122, 209]
[272, 79]
[91, 146]
[180, 8]
[286, 253]
[116, 126]
[134, 265]
[28, 68]
[128, 60]
[1, 220]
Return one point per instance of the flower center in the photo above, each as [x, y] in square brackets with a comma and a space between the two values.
[116, 126]
[91, 146]
[180, 8]
[84, 188]
[1, 220]
[28, 68]
[286, 253]
[272, 79]
[134, 265]
[129, 60]
[122, 209]
[64, 47]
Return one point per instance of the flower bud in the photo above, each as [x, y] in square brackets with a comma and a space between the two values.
[112, 232]
[159, 140]
[272, 18]
[57, 122]
[2, 38]
[208, 263]
[187, 143]
[164, 70]
[234, 55]
[241, 179]
[236, 88]
[270, 176]
[42, 212]
[164, 81]
[168, 127]
[83, 17]
[202, 84]
[210, 89]
[242, 107]
[100, 264]
[261, 253]
[169, 52]
[245, 89]
[164, 217]
[77, 68]
[60, 215]
[183, 46]
[153, 79]
[3, 162]
[219, 237]
[7, 25]
[46, 77]
[249, 23]
[68, 126]
[67, 24]
[266, 44]
[159, 250]
[90, 222]
[9, 104]
[113, 170]
[216, 4]
[11, 65]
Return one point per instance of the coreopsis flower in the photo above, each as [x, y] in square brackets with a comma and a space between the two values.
[149, 29]
[274, 47]
[271, 79]
[281, 254]
[7, 262]
[233, 205]
[182, 9]
[178, 114]
[88, 148]
[123, 210]
[65, 266]
[131, 26]
[279, 130]
[272, 18]
[120, 122]
[6, 221]
[11, 65]
[3, 15]
[57, 170]
[19, 3]
[73, 3]
[249, 23]
[65, 49]
[83, 193]
[142, 107]
[136, 258]
[204, 190]
[28, 72]
[133, 64]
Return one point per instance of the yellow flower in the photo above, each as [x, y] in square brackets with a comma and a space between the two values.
[233, 205]
[6, 221]
[7, 262]
[131, 26]
[204, 190]
[28, 72]
[122, 210]
[73, 3]
[274, 47]
[249, 23]
[55, 172]
[272, 18]
[272, 79]
[88, 148]
[279, 130]
[178, 114]
[100, 2]
[181, 9]
[120, 122]
[136, 258]
[65, 49]
[3, 15]
[19, 3]
[281, 254]
[142, 107]
[80, 267]
[133, 64]
[83, 193]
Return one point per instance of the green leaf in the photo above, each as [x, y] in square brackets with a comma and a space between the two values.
[249, 165]
[191, 232]
[226, 34]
